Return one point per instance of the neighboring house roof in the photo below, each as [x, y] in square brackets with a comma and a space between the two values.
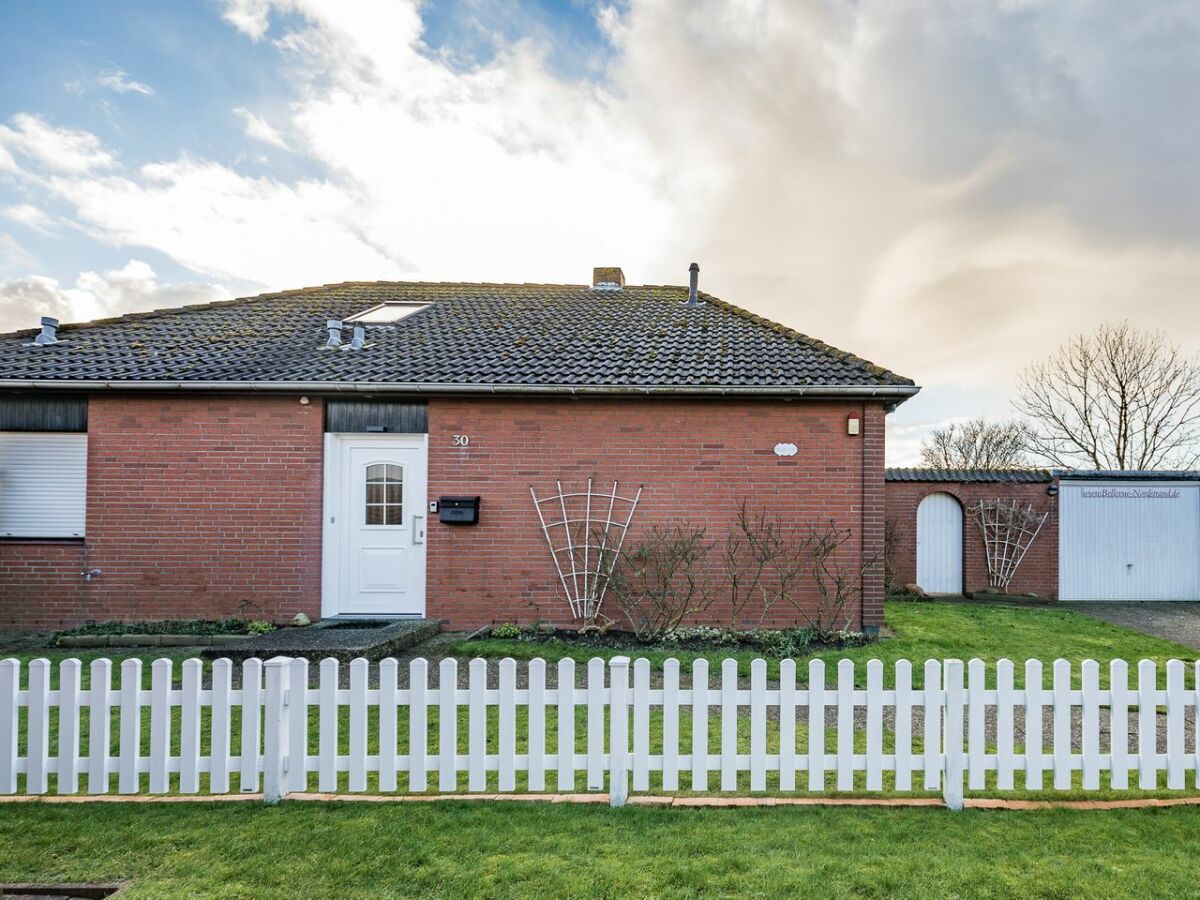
[490, 337]
[1033, 476]
[1010, 476]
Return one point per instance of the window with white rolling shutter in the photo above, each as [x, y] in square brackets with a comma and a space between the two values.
[43, 484]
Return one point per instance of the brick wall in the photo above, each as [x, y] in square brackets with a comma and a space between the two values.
[211, 506]
[696, 460]
[1038, 572]
[197, 507]
[40, 583]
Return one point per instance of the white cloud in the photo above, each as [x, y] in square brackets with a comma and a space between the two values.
[224, 225]
[95, 295]
[259, 128]
[120, 82]
[14, 257]
[23, 301]
[945, 188]
[251, 17]
[61, 150]
[28, 215]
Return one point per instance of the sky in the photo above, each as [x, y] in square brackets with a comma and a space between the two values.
[949, 189]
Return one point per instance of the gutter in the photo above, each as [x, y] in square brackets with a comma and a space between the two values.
[898, 393]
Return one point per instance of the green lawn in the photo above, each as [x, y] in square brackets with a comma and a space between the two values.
[454, 849]
[299, 850]
[924, 631]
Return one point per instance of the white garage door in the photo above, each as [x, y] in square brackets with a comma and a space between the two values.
[939, 545]
[1126, 540]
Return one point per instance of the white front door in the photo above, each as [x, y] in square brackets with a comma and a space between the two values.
[940, 545]
[374, 553]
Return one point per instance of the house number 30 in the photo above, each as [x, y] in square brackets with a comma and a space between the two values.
[462, 440]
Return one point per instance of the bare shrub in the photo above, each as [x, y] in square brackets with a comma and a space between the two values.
[891, 551]
[761, 560]
[839, 584]
[663, 579]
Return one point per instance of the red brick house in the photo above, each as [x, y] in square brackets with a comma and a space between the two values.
[288, 452]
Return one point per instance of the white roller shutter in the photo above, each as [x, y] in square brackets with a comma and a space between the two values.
[43, 484]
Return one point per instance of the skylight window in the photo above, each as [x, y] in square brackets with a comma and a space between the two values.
[386, 313]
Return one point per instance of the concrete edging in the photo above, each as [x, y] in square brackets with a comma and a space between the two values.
[82, 641]
[981, 803]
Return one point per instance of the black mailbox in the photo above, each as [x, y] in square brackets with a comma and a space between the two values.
[458, 510]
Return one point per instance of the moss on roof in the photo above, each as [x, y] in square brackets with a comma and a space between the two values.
[469, 334]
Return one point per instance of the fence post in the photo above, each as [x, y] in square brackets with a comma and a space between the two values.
[275, 729]
[952, 760]
[10, 683]
[618, 750]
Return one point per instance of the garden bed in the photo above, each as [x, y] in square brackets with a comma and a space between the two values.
[777, 644]
[170, 633]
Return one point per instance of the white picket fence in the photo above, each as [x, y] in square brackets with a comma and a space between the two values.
[275, 710]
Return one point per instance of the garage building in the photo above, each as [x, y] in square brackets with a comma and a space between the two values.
[1106, 535]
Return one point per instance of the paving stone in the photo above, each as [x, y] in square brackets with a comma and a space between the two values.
[340, 641]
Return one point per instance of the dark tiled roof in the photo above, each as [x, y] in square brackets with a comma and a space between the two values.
[1011, 476]
[482, 336]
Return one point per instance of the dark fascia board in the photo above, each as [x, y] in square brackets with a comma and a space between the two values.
[364, 416]
[43, 412]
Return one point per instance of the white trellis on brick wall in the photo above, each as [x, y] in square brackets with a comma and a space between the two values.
[1008, 531]
[586, 541]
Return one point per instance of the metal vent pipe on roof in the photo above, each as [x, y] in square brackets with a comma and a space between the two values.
[359, 340]
[694, 273]
[49, 333]
[335, 333]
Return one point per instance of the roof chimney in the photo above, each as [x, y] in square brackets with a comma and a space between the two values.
[359, 340]
[49, 333]
[607, 278]
[335, 333]
[694, 272]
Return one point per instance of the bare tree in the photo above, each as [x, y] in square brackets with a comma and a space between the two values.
[976, 444]
[1117, 398]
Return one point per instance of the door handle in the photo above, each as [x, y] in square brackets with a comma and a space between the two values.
[418, 535]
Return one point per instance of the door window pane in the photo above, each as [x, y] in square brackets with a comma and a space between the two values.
[384, 494]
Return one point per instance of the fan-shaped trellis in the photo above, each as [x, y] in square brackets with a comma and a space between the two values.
[1008, 531]
[585, 530]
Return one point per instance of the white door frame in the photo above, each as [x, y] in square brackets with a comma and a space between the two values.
[331, 545]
